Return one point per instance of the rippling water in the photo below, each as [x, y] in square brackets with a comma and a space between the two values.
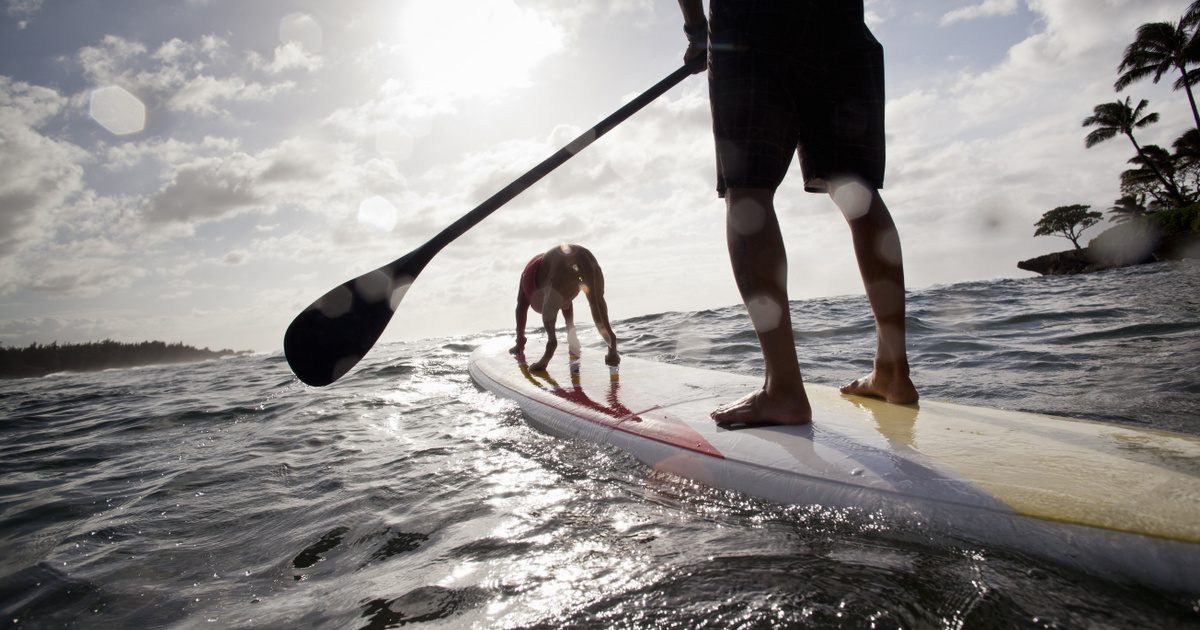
[226, 494]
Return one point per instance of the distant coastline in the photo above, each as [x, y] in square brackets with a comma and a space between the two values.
[40, 360]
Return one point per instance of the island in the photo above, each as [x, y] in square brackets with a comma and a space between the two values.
[40, 360]
[1155, 237]
[1157, 217]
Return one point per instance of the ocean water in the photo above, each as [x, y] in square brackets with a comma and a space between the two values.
[226, 494]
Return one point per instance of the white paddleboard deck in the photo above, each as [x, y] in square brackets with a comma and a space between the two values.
[1116, 501]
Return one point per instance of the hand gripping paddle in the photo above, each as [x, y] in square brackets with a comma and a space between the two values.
[335, 332]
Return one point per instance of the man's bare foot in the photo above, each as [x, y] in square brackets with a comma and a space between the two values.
[758, 408]
[899, 390]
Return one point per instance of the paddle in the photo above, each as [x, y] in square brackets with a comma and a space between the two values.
[336, 331]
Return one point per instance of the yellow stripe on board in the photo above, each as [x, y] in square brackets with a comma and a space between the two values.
[1072, 471]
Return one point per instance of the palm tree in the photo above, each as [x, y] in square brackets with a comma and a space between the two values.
[1127, 208]
[1118, 117]
[1187, 147]
[1191, 17]
[1159, 48]
[1144, 178]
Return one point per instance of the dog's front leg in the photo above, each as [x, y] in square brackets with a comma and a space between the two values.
[573, 348]
[550, 320]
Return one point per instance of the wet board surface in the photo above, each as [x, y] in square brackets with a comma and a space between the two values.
[1100, 497]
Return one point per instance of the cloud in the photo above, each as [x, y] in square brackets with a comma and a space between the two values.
[987, 8]
[322, 184]
[203, 94]
[871, 15]
[210, 188]
[165, 151]
[199, 76]
[207, 189]
[1068, 66]
[397, 109]
[38, 173]
[23, 7]
[23, 10]
[82, 269]
[287, 57]
[85, 251]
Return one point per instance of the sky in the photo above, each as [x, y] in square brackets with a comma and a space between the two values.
[202, 170]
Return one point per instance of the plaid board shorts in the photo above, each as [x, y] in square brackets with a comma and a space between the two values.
[802, 76]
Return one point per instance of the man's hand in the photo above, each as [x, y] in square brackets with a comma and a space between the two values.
[695, 26]
[694, 51]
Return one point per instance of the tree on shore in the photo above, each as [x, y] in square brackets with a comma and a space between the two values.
[1161, 47]
[1146, 177]
[1128, 208]
[1068, 222]
[1161, 184]
[1187, 148]
[38, 360]
[1121, 118]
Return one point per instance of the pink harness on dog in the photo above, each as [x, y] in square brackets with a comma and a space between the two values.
[529, 287]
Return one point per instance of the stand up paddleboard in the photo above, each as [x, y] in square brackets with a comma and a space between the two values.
[1116, 501]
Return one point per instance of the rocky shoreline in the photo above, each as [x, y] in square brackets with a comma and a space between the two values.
[1121, 246]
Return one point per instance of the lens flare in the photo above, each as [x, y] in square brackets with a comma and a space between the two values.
[852, 198]
[335, 303]
[581, 142]
[118, 111]
[378, 213]
[747, 216]
[888, 247]
[374, 287]
[400, 287]
[765, 313]
[693, 345]
[892, 301]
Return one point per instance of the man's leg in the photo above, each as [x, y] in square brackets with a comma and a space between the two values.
[877, 248]
[759, 261]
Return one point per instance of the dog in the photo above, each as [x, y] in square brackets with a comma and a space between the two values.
[548, 284]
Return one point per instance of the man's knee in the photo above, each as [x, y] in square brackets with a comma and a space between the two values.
[749, 209]
[853, 197]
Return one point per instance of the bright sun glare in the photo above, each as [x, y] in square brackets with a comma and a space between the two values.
[470, 47]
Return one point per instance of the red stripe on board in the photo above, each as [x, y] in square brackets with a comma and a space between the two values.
[576, 401]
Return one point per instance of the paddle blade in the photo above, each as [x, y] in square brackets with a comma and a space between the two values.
[334, 333]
